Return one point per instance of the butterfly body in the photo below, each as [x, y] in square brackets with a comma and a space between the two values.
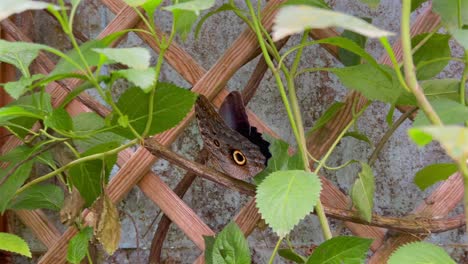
[229, 139]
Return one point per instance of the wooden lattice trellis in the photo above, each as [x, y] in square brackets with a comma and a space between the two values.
[135, 167]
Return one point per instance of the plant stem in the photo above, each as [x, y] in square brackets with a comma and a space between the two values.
[463, 80]
[388, 134]
[410, 73]
[272, 257]
[74, 163]
[293, 112]
[464, 171]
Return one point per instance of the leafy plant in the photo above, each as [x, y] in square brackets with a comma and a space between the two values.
[80, 151]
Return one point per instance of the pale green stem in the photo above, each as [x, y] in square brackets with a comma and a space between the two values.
[273, 255]
[410, 72]
[291, 116]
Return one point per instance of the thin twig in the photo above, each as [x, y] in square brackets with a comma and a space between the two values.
[388, 134]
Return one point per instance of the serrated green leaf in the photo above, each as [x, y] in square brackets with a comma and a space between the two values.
[144, 79]
[461, 36]
[88, 178]
[291, 255]
[280, 159]
[449, 12]
[13, 183]
[434, 173]
[209, 244]
[171, 105]
[327, 116]
[86, 123]
[137, 58]
[346, 57]
[358, 136]
[18, 88]
[371, 82]
[195, 6]
[454, 139]
[15, 244]
[230, 246]
[435, 47]
[450, 112]
[18, 53]
[286, 197]
[10, 7]
[45, 196]
[184, 21]
[295, 19]
[36, 104]
[442, 88]
[362, 192]
[341, 249]
[59, 120]
[420, 252]
[10, 112]
[78, 245]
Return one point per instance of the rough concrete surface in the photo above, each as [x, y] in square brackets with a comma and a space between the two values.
[394, 170]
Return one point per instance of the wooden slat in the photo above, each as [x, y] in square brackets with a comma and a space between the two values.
[43, 228]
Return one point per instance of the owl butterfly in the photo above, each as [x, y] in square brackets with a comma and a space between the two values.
[235, 147]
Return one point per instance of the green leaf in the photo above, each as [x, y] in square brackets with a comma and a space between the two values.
[20, 54]
[371, 82]
[358, 136]
[295, 19]
[88, 178]
[416, 3]
[59, 120]
[420, 252]
[36, 104]
[86, 124]
[454, 139]
[13, 183]
[144, 79]
[280, 159]
[450, 112]
[327, 116]
[45, 196]
[78, 245]
[18, 88]
[171, 105]
[15, 244]
[86, 49]
[434, 173]
[17, 154]
[195, 6]
[110, 160]
[437, 46]
[137, 58]
[11, 112]
[209, 244]
[341, 249]
[316, 3]
[10, 7]
[346, 57]
[449, 10]
[291, 255]
[184, 21]
[461, 35]
[442, 88]
[362, 192]
[294, 193]
[371, 3]
[230, 246]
